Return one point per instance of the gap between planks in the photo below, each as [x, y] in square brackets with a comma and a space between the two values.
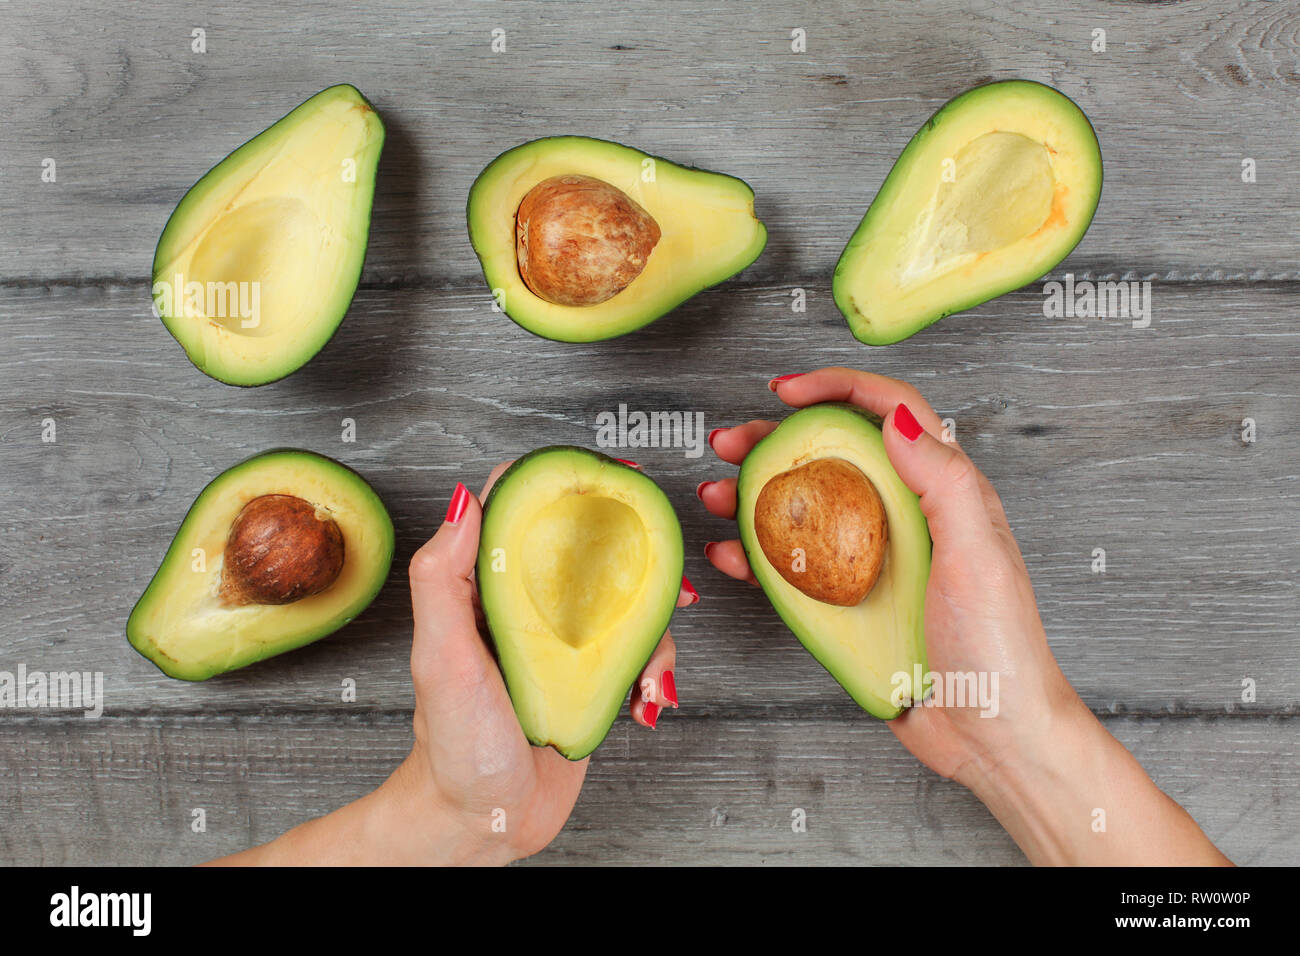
[422, 283]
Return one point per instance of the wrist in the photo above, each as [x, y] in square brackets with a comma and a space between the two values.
[1049, 745]
[415, 825]
[1038, 789]
[402, 823]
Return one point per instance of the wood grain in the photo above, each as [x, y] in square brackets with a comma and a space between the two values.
[133, 118]
[699, 789]
[1096, 434]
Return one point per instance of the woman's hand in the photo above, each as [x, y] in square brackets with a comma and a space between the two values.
[1044, 764]
[980, 613]
[471, 759]
[472, 790]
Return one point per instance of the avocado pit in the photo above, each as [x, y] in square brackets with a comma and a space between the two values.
[823, 527]
[281, 549]
[580, 241]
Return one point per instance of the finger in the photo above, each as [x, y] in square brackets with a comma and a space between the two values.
[733, 444]
[687, 595]
[876, 393]
[656, 688]
[729, 558]
[993, 504]
[447, 649]
[719, 496]
[553, 765]
[880, 395]
[493, 475]
[947, 482]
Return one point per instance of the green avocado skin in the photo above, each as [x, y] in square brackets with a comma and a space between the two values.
[142, 641]
[496, 606]
[747, 494]
[327, 324]
[889, 190]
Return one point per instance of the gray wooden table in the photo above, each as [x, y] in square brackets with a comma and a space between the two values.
[1098, 435]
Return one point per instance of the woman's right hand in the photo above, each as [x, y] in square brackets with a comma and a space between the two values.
[980, 613]
[1037, 762]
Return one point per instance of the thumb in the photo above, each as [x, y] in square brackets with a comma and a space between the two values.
[446, 645]
[946, 481]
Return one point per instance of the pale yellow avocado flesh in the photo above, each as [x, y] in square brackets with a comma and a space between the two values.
[864, 647]
[283, 222]
[190, 632]
[707, 223]
[586, 559]
[991, 194]
[1002, 190]
[580, 565]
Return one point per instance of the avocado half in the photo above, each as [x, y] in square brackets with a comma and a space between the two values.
[708, 233]
[182, 624]
[258, 264]
[865, 646]
[579, 568]
[990, 194]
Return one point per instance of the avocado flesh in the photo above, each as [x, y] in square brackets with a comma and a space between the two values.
[183, 626]
[579, 568]
[863, 646]
[709, 233]
[287, 214]
[1025, 172]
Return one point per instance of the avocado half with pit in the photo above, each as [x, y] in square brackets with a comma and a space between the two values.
[993, 192]
[276, 552]
[582, 239]
[579, 568]
[841, 549]
[257, 266]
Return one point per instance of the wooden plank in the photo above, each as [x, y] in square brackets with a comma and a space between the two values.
[1096, 434]
[699, 790]
[132, 117]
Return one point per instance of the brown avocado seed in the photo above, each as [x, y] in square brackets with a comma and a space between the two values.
[580, 241]
[281, 549]
[823, 527]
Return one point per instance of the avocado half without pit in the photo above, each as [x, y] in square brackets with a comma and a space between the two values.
[257, 266]
[579, 568]
[582, 239]
[840, 547]
[276, 552]
[993, 192]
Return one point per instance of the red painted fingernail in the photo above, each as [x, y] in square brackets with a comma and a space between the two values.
[459, 502]
[690, 589]
[669, 687]
[782, 378]
[699, 489]
[651, 715]
[713, 434]
[630, 464]
[906, 423]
